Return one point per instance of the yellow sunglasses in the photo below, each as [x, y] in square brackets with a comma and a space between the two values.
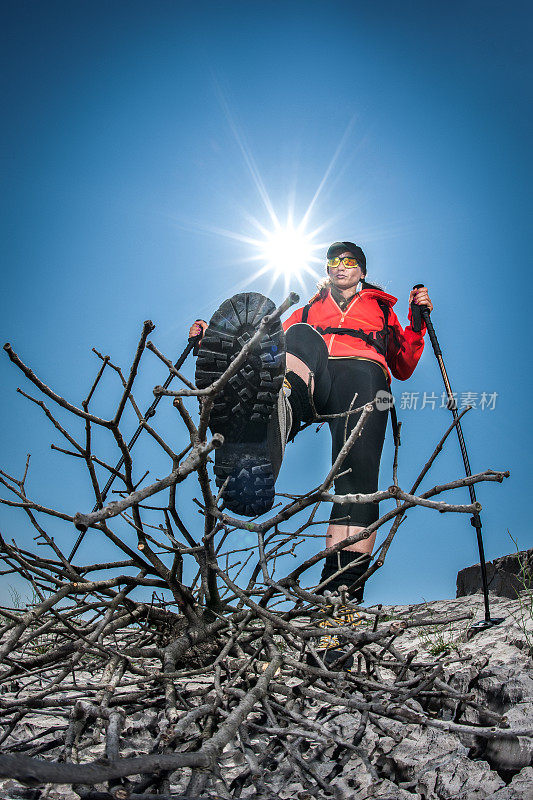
[350, 263]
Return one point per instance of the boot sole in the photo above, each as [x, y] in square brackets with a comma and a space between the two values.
[243, 408]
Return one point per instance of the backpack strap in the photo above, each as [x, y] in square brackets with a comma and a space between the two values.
[378, 340]
[379, 343]
[373, 340]
[305, 309]
[385, 311]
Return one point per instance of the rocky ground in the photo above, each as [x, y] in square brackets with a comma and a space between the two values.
[395, 760]
[430, 764]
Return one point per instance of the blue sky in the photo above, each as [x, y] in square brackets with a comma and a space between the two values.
[135, 133]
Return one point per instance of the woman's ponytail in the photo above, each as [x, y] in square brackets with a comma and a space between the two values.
[366, 285]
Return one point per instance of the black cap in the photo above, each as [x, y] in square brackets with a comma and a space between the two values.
[337, 248]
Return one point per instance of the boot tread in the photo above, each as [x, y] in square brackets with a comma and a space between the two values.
[241, 412]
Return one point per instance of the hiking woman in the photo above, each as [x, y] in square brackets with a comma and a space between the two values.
[346, 341]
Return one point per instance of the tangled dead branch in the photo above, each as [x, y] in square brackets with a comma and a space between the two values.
[214, 685]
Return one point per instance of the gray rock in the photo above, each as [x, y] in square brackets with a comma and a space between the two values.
[506, 576]
[520, 788]
[401, 761]
[383, 790]
[461, 779]
[506, 689]
[436, 764]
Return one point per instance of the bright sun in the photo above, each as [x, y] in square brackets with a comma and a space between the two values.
[287, 251]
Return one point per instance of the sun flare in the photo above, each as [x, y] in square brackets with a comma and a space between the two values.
[287, 251]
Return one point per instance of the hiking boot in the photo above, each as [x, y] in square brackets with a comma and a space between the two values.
[344, 558]
[330, 646]
[250, 411]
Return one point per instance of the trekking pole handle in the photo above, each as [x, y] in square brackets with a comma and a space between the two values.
[425, 314]
[195, 342]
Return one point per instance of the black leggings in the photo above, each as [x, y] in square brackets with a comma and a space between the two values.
[336, 382]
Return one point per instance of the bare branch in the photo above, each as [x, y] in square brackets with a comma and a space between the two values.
[197, 644]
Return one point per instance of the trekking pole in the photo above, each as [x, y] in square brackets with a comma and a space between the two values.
[193, 343]
[475, 520]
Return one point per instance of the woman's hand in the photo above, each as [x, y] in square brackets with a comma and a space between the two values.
[420, 297]
[198, 328]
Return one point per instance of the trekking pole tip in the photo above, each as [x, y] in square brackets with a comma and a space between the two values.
[483, 625]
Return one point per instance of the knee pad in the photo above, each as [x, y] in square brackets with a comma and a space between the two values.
[304, 342]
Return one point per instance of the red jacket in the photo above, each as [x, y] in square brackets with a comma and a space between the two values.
[367, 335]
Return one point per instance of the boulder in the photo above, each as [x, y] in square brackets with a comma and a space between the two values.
[437, 766]
[520, 788]
[507, 576]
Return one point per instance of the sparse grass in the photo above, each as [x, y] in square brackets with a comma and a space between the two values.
[16, 598]
[524, 615]
[43, 643]
[440, 639]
